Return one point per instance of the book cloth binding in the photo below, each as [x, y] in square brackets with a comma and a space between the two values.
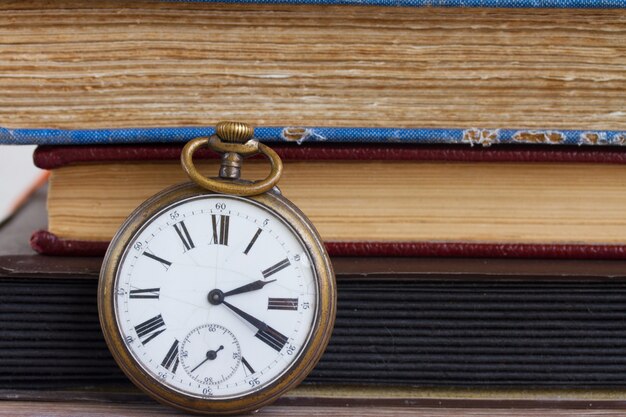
[471, 136]
[50, 157]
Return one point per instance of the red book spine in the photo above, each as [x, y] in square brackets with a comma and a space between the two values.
[51, 157]
[48, 243]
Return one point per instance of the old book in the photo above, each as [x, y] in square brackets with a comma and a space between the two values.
[119, 72]
[411, 331]
[374, 200]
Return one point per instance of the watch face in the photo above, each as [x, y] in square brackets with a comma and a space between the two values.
[215, 297]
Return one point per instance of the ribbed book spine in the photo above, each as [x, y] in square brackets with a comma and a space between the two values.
[455, 333]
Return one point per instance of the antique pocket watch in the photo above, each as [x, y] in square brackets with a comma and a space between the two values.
[217, 296]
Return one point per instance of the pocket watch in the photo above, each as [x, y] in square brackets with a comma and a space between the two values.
[217, 296]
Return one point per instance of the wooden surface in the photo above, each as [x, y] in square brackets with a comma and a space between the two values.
[337, 401]
[466, 202]
[86, 409]
[84, 64]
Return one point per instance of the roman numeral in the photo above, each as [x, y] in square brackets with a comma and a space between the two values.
[254, 238]
[184, 236]
[275, 268]
[170, 362]
[247, 366]
[150, 329]
[220, 236]
[145, 293]
[282, 303]
[163, 262]
[274, 338]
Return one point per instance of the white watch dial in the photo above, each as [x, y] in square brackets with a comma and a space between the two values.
[216, 297]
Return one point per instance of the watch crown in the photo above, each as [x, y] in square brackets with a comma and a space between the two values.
[234, 132]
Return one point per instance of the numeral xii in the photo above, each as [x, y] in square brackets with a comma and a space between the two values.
[220, 229]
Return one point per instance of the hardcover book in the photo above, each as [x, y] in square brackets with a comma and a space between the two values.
[120, 72]
[373, 200]
[463, 329]
[410, 133]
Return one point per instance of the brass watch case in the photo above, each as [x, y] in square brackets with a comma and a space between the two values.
[309, 355]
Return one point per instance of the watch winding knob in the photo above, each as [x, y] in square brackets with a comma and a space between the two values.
[234, 132]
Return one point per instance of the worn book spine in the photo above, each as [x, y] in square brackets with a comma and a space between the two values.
[48, 243]
[465, 323]
[52, 157]
[297, 134]
[78, 72]
[526, 325]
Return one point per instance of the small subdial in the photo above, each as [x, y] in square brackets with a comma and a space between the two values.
[210, 354]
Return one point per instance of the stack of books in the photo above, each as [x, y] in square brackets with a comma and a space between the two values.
[463, 162]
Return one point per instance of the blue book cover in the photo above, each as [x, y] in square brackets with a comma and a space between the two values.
[471, 136]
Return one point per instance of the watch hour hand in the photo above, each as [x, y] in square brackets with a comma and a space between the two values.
[253, 286]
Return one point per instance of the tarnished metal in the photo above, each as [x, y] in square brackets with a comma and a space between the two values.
[234, 141]
[234, 132]
[311, 352]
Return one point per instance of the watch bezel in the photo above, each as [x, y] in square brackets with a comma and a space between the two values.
[295, 373]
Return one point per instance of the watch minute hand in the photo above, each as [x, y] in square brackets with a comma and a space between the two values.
[253, 286]
[247, 317]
